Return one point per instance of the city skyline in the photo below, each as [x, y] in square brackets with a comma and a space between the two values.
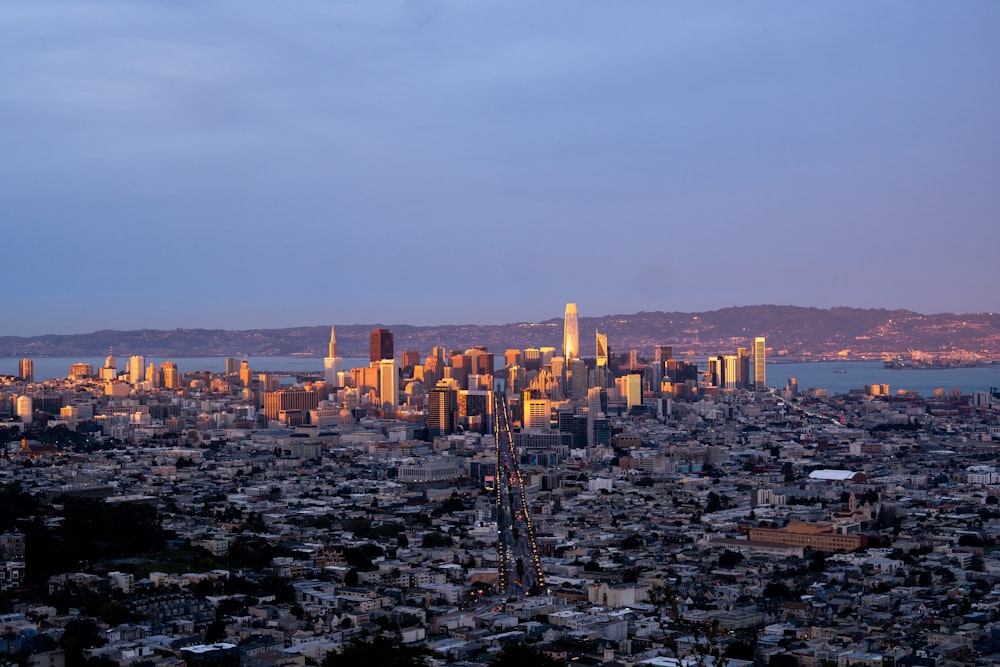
[845, 153]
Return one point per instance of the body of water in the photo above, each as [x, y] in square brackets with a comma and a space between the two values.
[824, 375]
[816, 375]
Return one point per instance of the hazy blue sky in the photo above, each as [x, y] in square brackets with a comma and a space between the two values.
[255, 164]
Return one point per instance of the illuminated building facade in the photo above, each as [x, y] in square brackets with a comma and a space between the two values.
[442, 409]
[571, 333]
[759, 370]
[136, 369]
[388, 385]
[333, 365]
[602, 349]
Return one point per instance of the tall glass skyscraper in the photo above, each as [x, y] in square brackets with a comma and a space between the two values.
[602, 349]
[571, 333]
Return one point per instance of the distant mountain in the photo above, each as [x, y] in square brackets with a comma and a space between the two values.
[792, 332]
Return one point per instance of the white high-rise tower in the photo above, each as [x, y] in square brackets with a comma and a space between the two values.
[332, 364]
[136, 369]
[571, 333]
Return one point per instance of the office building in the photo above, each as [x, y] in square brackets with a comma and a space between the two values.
[577, 379]
[153, 376]
[246, 375]
[410, 358]
[743, 355]
[232, 366]
[532, 359]
[663, 353]
[571, 333]
[388, 385]
[602, 349]
[136, 369]
[630, 388]
[460, 369]
[482, 360]
[289, 400]
[474, 410]
[759, 370]
[81, 371]
[536, 413]
[714, 371]
[26, 370]
[110, 369]
[170, 376]
[442, 409]
[333, 365]
[730, 371]
[380, 345]
[25, 408]
[365, 378]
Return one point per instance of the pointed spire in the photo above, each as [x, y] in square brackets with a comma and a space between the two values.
[333, 341]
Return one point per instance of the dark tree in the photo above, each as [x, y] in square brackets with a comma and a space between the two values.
[435, 539]
[216, 631]
[778, 589]
[79, 635]
[739, 651]
[730, 558]
[713, 503]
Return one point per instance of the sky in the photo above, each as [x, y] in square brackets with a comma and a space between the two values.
[255, 164]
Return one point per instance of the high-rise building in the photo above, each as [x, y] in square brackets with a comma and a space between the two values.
[25, 408]
[153, 376]
[232, 366]
[730, 371]
[759, 370]
[743, 380]
[474, 409]
[602, 349]
[388, 385]
[333, 365]
[630, 388]
[532, 359]
[577, 379]
[442, 409]
[171, 377]
[136, 369]
[380, 345]
[246, 375]
[482, 360]
[536, 413]
[715, 370]
[26, 370]
[110, 369]
[571, 333]
[410, 358]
